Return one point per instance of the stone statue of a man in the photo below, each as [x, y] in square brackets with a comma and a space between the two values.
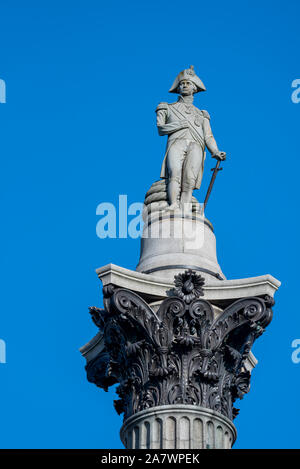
[189, 132]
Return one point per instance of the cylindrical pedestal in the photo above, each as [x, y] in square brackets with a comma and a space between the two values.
[175, 241]
[178, 427]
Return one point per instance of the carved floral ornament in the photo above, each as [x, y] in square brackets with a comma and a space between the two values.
[180, 354]
[188, 286]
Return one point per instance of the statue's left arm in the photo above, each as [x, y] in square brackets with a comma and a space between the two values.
[209, 139]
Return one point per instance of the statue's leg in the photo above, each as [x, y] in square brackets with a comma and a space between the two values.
[192, 173]
[174, 164]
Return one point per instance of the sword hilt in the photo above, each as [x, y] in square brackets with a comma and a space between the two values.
[217, 169]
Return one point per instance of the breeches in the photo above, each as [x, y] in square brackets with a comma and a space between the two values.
[185, 163]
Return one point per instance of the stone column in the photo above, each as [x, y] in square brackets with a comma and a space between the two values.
[180, 351]
[178, 427]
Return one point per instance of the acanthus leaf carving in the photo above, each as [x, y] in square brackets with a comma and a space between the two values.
[178, 354]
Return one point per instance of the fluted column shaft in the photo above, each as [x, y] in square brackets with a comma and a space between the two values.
[178, 427]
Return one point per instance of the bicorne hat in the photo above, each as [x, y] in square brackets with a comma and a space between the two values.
[187, 74]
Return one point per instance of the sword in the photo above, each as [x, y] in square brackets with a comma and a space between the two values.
[213, 178]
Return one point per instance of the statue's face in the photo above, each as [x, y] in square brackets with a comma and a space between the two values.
[186, 88]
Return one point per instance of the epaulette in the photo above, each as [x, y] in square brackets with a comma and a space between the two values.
[162, 106]
[205, 114]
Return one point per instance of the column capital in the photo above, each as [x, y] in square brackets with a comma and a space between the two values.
[181, 352]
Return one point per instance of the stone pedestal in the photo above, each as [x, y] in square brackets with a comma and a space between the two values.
[174, 241]
[178, 427]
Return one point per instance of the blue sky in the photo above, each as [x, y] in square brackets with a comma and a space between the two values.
[78, 128]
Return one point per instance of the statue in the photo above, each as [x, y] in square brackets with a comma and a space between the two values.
[189, 132]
